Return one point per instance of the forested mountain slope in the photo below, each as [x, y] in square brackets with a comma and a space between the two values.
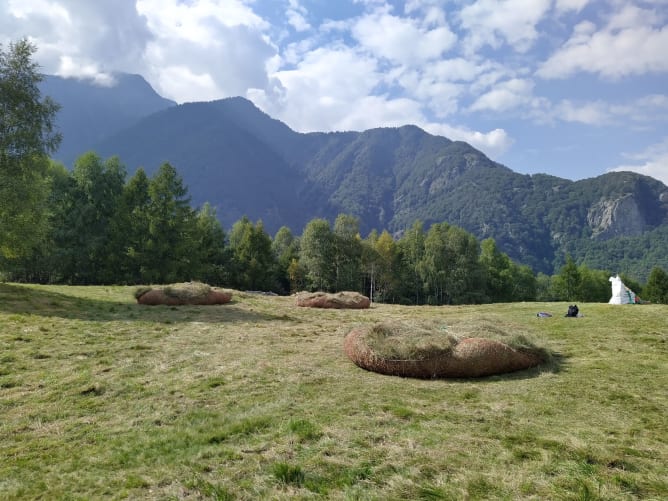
[246, 163]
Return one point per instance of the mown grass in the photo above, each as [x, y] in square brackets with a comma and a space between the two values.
[103, 398]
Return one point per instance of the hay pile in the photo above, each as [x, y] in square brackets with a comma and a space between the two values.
[338, 300]
[431, 352]
[187, 293]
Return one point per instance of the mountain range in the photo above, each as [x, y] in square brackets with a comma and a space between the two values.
[243, 162]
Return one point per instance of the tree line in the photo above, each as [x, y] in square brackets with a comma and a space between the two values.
[93, 225]
[103, 228]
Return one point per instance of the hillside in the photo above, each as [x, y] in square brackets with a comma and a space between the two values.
[90, 112]
[246, 163]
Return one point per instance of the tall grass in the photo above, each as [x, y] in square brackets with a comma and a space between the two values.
[104, 398]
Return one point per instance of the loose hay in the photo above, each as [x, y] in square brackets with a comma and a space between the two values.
[339, 300]
[187, 290]
[188, 293]
[429, 352]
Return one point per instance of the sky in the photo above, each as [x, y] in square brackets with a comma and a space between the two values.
[571, 88]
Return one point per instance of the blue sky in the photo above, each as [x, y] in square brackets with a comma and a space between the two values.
[572, 88]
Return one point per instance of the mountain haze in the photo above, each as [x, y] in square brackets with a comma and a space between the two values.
[90, 111]
[244, 162]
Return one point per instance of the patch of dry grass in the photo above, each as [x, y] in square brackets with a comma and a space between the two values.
[419, 340]
[184, 291]
[409, 341]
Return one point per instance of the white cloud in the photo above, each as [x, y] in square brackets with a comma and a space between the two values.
[493, 143]
[455, 70]
[217, 46]
[93, 37]
[641, 112]
[651, 162]
[181, 81]
[323, 88]
[402, 40]
[505, 96]
[591, 113]
[296, 17]
[633, 42]
[72, 69]
[494, 22]
[440, 95]
[563, 6]
[370, 112]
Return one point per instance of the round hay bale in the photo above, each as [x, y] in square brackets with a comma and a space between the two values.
[338, 300]
[371, 348]
[190, 293]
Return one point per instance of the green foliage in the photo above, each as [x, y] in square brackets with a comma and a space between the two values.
[97, 193]
[131, 229]
[254, 263]
[285, 248]
[411, 247]
[348, 253]
[317, 255]
[209, 245]
[171, 220]
[27, 136]
[656, 289]
[567, 282]
[388, 266]
[389, 178]
[104, 230]
[288, 474]
[505, 280]
[449, 267]
[594, 285]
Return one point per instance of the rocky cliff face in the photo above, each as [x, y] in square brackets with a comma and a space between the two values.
[618, 217]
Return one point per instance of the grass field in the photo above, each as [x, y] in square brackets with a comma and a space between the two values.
[255, 399]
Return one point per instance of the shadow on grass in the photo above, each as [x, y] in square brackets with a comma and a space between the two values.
[23, 300]
[555, 363]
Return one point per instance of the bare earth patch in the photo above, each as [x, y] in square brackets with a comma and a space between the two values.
[338, 300]
[188, 293]
[398, 350]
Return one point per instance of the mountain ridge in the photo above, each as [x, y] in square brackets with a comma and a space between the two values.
[246, 163]
[91, 111]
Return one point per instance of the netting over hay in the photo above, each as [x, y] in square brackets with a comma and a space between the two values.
[339, 300]
[187, 293]
[412, 351]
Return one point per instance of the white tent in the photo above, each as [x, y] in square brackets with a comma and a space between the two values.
[621, 294]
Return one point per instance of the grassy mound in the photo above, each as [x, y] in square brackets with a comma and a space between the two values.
[192, 293]
[431, 351]
[338, 300]
[185, 290]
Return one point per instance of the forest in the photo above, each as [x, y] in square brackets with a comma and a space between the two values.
[92, 225]
[103, 228]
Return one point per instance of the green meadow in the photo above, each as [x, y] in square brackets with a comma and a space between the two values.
[101, 398]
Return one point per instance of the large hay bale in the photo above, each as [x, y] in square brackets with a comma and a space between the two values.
[394, 350]
[338, 300]
[188, 293]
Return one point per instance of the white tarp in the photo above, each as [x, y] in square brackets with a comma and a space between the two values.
[621, 294]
